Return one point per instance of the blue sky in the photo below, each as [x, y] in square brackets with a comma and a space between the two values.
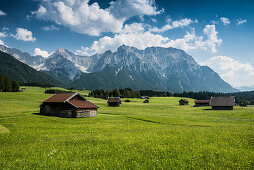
[216, 33]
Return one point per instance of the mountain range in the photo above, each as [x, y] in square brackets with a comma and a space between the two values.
[154, 68]
[16, 70]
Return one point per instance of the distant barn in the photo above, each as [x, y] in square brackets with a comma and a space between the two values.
[222, 103]
[146, 101]
[200, 103]
[183, 102]
[114, 101]
[68, 105]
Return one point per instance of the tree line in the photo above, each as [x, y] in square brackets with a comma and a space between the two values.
[8, 85]
[240, 97]
[126, 93]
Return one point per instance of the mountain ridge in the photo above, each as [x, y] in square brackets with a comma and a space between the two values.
[18, 71]
[167, 69]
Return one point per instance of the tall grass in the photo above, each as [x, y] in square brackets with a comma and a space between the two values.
[136, 135]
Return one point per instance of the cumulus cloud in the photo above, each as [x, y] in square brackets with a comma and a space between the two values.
[175, 24]
[139, 36]
[234, 72]
[40, 52]
[1, 42]
[129, 8]
[154, 20]
[24, 35]
[3, 34]
[50, 28]
[225, 20]
[2, 13]
[241, 21]
[85, 18]
[131, 35]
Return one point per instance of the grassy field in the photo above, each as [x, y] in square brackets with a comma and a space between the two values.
[158, 135]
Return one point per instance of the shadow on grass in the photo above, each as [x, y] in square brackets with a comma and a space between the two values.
[162, 123]
[113, 114]
[40, 114]
[207, 109]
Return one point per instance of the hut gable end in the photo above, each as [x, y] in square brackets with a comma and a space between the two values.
[183, 102]
[114, 101]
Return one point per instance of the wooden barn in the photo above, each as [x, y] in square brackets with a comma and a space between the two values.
[222, 103]
[114, 101]
[200, 103]
[183, 102]
[68, 105]
[146, 101]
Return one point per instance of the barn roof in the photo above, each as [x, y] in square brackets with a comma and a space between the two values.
[83, 104]
[184, 100]
[114, 99]
[222, 101]
[201, 101]
[61, 98]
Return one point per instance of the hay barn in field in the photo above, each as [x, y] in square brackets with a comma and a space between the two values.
[222, 103]
[200, 103]
[68, 105]
[183, 102]
[114, 101]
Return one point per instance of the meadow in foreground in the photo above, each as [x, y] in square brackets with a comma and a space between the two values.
[158, 135]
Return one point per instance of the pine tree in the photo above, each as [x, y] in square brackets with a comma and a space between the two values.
[15, 86]
[8, 87]
[2, 82]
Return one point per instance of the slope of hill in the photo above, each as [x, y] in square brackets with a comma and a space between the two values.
[21, 72]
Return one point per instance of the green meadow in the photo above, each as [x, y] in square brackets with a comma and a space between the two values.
[157, 135]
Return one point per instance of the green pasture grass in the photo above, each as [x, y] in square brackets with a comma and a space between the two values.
[156, 135]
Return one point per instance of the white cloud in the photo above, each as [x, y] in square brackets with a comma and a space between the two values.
[3, 34]
[2, 13]
[138, 36]
[50, 28]
[131, 35]
[234, 72]
[213, 40]
[24, 35]
[40, 52]
[5, 29]
[129, 8]
[154, 20]
[1, 42]
[241, 21]
[225, 20]
[175, 24]
[193, 42]
[214, 22]
[85, 18]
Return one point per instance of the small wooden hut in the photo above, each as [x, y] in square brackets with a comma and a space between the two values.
[222, 103]
[200, 103]
[183, 102]
[146, 101]
[68, 105]
[114, 101]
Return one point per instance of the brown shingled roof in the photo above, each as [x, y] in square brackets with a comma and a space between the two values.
[184, 100]
[81, 104]
[59, 98]
[201, 101]
[222, 101]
